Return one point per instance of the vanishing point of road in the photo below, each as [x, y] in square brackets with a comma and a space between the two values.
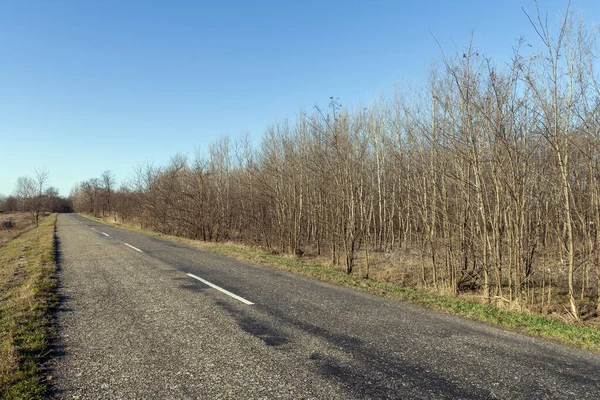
[146, 318]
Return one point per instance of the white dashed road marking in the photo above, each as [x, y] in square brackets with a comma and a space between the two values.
[220, 289]
[135, 248]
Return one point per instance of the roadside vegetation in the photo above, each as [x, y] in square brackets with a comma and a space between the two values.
[585, 336]
[477, 192]
[27, 283]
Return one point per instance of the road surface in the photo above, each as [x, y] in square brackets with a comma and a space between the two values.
[142, 317]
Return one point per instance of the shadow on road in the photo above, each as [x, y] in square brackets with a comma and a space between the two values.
[270, 335]
[368, 373]
[56, 347]
[190, 285]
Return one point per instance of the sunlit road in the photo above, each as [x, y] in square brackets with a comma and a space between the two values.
[142, 317]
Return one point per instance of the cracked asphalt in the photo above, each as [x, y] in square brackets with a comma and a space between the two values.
[133, 325]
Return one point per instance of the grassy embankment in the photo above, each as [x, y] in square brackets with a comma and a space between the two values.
[27, 282]
[19, 222]
[576, 334]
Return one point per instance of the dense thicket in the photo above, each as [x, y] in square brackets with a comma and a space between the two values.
[485, 179]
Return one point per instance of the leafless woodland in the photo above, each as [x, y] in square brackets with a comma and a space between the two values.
[482, 181]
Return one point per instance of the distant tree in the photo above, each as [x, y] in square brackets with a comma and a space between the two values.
[108, 182]
[55, 202]
[91, 190]
[40, 200]
[31, 194]
[25, 191]
[11, 203]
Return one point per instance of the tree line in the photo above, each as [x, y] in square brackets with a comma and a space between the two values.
[34, 196]
[484, 180]
[94, 195]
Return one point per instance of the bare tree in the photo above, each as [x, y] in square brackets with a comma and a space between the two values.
[108, 182]
[483, 181]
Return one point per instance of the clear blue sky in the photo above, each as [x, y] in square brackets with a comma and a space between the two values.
[90, 85]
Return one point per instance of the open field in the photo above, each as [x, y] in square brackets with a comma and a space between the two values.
[583, 335]
[13, 224]
[27, 282]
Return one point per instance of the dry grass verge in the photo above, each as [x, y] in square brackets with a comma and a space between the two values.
[27, 282]
[13, 224]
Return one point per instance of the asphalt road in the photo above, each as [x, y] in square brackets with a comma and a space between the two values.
[134, 325]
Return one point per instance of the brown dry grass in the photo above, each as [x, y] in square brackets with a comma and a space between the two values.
[27, 268]
[22, 222]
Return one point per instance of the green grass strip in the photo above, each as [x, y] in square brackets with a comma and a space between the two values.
[27, 295]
